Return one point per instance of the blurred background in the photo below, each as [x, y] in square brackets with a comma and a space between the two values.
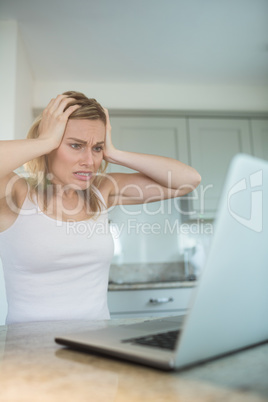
[182, 78]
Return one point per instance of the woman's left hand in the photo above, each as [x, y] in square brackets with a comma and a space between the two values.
[109, 149]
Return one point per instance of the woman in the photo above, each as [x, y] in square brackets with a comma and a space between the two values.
[54, 242]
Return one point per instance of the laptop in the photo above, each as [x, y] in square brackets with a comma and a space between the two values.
[228, 310]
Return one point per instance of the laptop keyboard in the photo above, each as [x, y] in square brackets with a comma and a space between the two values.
[165, 340]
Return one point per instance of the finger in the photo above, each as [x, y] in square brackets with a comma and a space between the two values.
[70, 110]
[106, 113]
[58, 106]
[52, 107]
[63, 104]
[55, 102]
[108, 123]
[60, 102]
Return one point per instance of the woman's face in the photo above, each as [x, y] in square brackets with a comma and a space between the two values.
[76, 161]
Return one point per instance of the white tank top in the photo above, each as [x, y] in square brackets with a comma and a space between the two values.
[56, 270]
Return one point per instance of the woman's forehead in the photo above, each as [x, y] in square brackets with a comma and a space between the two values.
[85, 128]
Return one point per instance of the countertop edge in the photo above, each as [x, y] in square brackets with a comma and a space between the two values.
[157, 285]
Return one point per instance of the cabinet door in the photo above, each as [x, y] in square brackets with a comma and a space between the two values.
[213, 143]
[149, 302]
[151, 135]
[260, 138]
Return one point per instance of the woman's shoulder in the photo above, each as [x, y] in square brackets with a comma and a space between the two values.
[21, 189]
[107, 186]
[11, 203]
[16, 189]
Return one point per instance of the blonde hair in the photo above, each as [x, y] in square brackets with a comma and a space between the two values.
[38, 167]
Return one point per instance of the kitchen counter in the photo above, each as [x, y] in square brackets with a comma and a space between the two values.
[34, 368]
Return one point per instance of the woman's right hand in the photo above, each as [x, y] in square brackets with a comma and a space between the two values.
[55, 118]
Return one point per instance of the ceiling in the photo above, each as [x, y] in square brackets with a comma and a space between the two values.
[144, 41]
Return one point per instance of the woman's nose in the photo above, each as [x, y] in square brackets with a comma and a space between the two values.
[87, 158]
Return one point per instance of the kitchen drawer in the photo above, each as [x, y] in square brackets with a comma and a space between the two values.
[149, 301]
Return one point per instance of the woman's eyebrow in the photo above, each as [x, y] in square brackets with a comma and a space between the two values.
[77, 140]
[82, 141]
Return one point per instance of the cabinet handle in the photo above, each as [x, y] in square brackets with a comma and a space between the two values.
[161, 300]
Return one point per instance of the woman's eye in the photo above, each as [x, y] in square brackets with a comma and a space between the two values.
[98, 149]
[76, 146]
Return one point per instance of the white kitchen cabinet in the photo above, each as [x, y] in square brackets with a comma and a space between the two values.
[213, 143]
[208, 144]
[259, 130]
[152, 135]
[149, 302]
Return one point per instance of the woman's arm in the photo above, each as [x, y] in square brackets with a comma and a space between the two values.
[159, 177]
[14, 153]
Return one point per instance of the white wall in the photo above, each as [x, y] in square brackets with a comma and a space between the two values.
[24, 92]
[8, 37]
[160, 96]
[16, 83]
[8, 40]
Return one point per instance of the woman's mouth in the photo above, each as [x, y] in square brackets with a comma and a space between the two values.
[81, 175]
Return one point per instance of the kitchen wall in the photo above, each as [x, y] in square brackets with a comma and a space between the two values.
[146, 233]
[152, 234]
[16, 82]
[160, 96]
[8, 38]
